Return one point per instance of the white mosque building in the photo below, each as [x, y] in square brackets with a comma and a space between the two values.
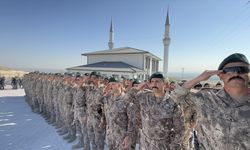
[125, 62]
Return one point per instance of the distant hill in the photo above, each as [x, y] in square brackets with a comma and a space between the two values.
[8, 72]
[4, 68]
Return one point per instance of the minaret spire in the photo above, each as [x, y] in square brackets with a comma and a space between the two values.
[167, 19]
[111, 36]
[166, 42]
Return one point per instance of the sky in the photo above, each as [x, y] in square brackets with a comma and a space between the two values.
[54, 33]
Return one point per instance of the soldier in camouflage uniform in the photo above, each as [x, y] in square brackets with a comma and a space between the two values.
[60, 119]
[80, 116]
[223, 118]
[48, 97]
[62, 107]
[69, 112]
[118, 116]
[130, 96]
[39, 79]
[162, 119]
[94, 95]
[54, 100]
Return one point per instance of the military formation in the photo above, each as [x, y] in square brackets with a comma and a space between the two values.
[154, 114]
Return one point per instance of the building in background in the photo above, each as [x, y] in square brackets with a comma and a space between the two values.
[125, 62]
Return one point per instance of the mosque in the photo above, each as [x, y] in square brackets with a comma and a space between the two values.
[125, 62]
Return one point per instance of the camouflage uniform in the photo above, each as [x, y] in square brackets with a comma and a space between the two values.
[60, 100]
[27, 89]
[54, 101]
[222, 122]
[96, 134]
[49, 105]
[130, 96]
[40, 94]
[162, 123]
[44, 99]
[80, 117]
[69, 113]
[120, 120]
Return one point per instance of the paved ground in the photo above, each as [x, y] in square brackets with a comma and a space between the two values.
[21, 129]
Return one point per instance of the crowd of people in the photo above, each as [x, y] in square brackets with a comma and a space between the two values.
[15, 82]
[155, 114]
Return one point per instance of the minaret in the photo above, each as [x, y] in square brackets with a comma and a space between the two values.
[166, 42]
[111, 36]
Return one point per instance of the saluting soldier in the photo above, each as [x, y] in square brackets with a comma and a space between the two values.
[162, 126]
[222, 121]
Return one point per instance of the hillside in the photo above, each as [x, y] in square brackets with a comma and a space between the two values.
[8, 72]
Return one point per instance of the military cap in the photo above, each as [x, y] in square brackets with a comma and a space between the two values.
[136, 81]
[78, 75]
[156, 75]
[124, 78]
[58, 74]
[95, 73]
[66, 73]
[113, 79]
[236, 57]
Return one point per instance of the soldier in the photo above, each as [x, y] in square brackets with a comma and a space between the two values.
[80, 115]
[50, 97]
[118, 116]
[43, 108]
[223, 117]
[94, 95]
[60, 119]
[131, 94]
[162, 120]
[2, 83]
[69, 112]
[14, 83]
[39, 94]
[171, 86]
[20, 82]
[33, 95]
[54, 100]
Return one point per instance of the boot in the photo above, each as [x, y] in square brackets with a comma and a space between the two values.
[72, 138]
[55, 125]
[49, 122]
[58, 125]
[35, 110]
[79, 144]
[60, 130]
[63, 132]
[86, 144]
[52, 120]
[46, 117]
[67, 137]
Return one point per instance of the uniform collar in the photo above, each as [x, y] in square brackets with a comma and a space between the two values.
[227, 99]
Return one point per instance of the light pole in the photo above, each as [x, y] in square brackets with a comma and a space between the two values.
[182, 73]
